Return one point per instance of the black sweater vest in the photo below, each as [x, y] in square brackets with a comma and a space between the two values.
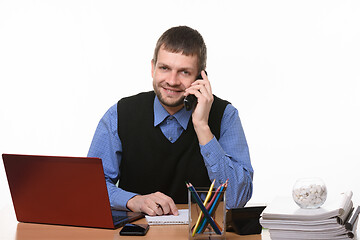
[150, 162]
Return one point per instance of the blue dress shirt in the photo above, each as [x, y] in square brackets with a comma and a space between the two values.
[226, 158]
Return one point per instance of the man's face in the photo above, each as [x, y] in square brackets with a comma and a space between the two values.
[172, 74]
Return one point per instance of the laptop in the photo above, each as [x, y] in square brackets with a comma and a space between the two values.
[62, 190]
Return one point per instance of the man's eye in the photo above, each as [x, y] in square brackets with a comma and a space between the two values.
[163, 68]
[186, 72]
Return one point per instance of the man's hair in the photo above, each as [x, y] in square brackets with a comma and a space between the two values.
[184, 40]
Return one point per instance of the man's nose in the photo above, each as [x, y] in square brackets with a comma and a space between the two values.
[173, 79]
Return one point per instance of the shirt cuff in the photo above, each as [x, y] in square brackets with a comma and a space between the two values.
[120, 198]
[212, 152]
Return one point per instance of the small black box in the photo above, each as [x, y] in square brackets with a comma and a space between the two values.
[244, 221]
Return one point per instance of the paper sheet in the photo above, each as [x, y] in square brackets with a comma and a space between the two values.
[182, 218]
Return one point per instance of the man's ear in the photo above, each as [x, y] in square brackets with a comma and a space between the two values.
[152, 68]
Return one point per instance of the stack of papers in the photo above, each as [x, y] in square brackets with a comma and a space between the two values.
[336, 219]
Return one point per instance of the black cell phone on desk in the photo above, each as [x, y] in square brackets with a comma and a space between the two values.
[190, 101]
[134, 229]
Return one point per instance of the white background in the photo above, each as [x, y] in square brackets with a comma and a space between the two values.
[290, 67]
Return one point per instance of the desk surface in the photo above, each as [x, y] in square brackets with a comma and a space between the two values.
[11, 229]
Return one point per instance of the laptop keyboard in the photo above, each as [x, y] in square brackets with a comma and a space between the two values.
[122, 217]
[119, 216]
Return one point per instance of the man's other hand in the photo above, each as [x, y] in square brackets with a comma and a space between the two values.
[153, 204]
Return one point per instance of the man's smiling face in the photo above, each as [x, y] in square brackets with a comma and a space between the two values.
[172, 74]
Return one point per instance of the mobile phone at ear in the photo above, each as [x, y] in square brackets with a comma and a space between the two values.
[134, 229]
[190, 101]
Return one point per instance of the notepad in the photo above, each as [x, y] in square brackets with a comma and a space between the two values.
[182, 218]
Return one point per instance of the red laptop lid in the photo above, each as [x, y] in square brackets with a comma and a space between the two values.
[58, 190]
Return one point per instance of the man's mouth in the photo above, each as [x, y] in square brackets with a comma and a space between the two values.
[172, 91]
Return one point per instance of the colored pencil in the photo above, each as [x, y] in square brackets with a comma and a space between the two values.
[208, 206]
[202, 207]
[212, 208]
[205, 202]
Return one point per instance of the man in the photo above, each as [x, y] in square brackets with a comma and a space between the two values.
[151, 144]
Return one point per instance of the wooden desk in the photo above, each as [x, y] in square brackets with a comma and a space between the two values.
[11, 229]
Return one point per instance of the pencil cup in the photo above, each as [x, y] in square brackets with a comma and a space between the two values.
[209, 223]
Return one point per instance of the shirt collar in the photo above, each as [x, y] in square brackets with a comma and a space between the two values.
[160, 114]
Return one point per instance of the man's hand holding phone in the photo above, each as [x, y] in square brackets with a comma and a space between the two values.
[201, 88]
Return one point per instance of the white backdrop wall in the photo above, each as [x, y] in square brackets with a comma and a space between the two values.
[290, 67]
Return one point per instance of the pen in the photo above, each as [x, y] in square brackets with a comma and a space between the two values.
[159, 206]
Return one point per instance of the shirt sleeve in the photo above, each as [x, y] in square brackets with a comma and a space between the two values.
[229, 158]
[106, 145]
